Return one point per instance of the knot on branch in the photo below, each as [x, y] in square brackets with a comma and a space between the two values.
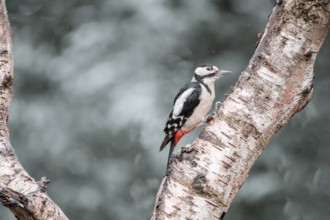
[199, 182]
[7, 81]
[10, 198]
[188, 153]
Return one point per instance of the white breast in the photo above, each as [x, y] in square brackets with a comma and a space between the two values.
[201, 111]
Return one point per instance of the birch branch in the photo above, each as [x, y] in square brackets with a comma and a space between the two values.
[278, 82]
[26, 198]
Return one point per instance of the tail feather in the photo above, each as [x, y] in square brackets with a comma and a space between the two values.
[170, 152]
[165, 142]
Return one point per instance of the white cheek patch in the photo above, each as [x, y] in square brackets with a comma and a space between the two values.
[180, 102]
[201, 71]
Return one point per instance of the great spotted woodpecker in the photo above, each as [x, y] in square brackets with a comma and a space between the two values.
[191, 105]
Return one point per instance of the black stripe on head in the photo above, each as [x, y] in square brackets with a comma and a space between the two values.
[200, 80]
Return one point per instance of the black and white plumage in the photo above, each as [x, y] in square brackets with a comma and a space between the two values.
[191, 105]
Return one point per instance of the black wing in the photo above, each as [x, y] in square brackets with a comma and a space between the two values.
[191, 101]
[174, 123]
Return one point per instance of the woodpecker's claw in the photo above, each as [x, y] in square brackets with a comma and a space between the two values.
[217, 106]
[211, 116]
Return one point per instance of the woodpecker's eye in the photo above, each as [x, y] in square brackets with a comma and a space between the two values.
[209, 68]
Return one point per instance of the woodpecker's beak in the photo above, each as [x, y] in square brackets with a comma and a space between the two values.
[225, 72]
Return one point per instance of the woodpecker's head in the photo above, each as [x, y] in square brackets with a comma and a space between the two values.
[208, 72]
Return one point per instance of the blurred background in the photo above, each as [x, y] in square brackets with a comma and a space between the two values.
[94, 84]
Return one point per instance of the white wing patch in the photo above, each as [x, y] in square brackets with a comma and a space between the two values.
[178, 105]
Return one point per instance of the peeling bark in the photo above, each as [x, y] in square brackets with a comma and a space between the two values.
[25, 198]
[278, 82]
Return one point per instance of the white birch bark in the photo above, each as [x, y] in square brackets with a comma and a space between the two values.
[277, 83]
[26, 198]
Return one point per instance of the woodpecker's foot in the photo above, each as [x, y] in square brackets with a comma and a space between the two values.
[217, 106]
[211, 116]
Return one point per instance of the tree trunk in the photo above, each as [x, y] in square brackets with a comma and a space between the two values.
[26, 198]
[278, 82]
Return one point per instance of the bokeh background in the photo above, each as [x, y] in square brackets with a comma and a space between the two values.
[94, 83]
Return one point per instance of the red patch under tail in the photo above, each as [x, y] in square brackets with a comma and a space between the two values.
[179, 134]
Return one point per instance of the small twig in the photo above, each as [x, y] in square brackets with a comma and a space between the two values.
[43, 183]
